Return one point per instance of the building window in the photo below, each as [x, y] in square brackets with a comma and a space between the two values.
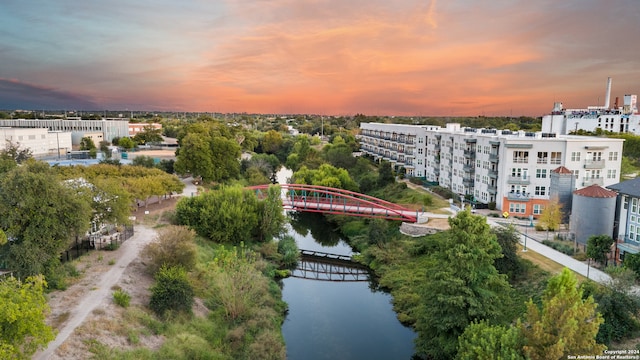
[541, 191]
[543, 157]
[634, 205]
[478, 163]
[625, 202]
[517, 208]
[538, 209]
[575, 156]
[613, 156]
[576, 173]
[541, 173]
[520, 157]
[556, 158]
[611, 174]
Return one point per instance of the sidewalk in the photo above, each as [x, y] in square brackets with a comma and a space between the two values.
[534, 242]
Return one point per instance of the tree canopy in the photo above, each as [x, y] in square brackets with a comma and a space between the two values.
[40, 214]
[209, 151]
[230, 215]
[598, 246]
[23, 310]
[462, 286]
[565, 324]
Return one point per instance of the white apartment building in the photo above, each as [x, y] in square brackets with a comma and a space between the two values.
[510, 168]
[41, 142]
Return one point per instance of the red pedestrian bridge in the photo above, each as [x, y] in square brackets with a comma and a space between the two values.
[328, 200]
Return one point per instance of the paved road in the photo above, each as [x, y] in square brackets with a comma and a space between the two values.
[129, 250]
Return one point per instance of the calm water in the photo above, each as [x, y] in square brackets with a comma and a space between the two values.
[338, 320]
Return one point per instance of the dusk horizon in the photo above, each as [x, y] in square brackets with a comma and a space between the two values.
[408, 58]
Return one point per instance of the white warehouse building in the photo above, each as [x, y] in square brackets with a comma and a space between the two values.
[109, 128]
[41, 142]
[616, 118]
[509, 168]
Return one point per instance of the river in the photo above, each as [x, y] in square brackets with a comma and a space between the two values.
[333, 319]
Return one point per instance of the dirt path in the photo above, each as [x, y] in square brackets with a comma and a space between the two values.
[83, 298]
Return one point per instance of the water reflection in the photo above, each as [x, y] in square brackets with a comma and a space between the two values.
[338, 320]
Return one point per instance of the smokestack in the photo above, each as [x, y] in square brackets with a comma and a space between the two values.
[608, 95]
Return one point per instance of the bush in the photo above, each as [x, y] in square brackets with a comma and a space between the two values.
[122, 298]
[563, 248]
[172, 291]
[111, 247]
[289, 250]
[491, 205]
[174, 246]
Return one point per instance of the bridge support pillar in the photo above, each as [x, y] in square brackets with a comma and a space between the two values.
[422, 218]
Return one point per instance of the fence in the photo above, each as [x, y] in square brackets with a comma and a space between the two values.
[110, 241]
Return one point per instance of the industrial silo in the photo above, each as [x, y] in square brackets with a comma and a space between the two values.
[592, 212]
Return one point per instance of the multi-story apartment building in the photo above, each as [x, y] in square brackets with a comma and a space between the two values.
[509, 168]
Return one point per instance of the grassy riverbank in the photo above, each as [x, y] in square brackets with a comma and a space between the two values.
[237, 314]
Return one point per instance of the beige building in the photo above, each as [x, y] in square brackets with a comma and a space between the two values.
[41, 142]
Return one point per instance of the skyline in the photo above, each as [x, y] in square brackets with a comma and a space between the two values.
[424, 58]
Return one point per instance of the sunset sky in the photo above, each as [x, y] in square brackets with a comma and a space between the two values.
[333, 57]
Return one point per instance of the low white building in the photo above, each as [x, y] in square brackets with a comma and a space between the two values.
[509, 168]
[41, 142]
[619, 118]
[109, 128]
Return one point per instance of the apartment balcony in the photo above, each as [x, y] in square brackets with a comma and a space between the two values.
[469, 168]
[493, 158]
[594, 164]
[518, 196]
[492, 189]
[437, 147]
[519, 180]
[468, 183]
[592, 181]
[469, 154]
[493, 174]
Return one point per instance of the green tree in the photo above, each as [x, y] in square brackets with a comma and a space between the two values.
[229, 215]
[510, 263]
[23, 310]
[482, 341]
[171, 291]
[551, 216]
[40, 214]
[272, 142]
[462, 286]
[143, 160]
[566, 324]
[126, 143]
[174, 246]
[618, 304]
[272, 218]
[86, 143]
[15, 153]
[148, 135]
[195, 157]
[632, 262]
[598, 246]
[325, 175]
[385, 174]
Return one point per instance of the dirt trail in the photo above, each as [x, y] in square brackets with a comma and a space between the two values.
[99, 288]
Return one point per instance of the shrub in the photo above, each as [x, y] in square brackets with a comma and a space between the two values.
[491, 205]
[111, 247]
[289, 250]
[174, 246]
[172, 291]
[563, 248]
[122, 298]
